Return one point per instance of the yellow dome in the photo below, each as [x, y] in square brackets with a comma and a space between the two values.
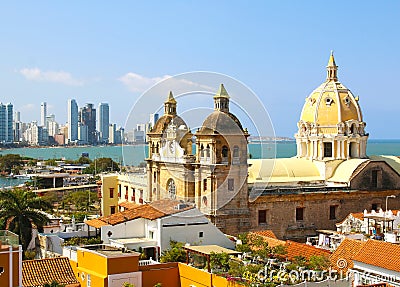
[331, 103]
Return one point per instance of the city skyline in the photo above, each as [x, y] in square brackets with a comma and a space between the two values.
[113, 53]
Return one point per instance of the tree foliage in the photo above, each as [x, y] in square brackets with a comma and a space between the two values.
[175, 253]
[81, 199]
[19, 210]
[9, 161]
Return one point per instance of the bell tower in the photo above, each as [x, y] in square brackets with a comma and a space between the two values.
[221, 168]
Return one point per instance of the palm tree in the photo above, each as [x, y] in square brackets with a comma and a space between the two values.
[19, 210]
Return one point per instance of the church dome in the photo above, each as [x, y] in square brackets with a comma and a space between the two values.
[331, 103]
[164, 121]
[222, 123]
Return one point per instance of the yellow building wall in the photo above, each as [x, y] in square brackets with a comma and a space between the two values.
[108, 182]
[190, 276]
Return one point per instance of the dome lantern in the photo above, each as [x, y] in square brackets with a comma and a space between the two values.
[331, 69]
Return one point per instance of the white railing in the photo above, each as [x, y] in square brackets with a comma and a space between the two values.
[147, 262]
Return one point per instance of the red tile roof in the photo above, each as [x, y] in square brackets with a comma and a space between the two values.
[342, 258]
[128, 204]
[149, 211]
[272, 241]
[36, 273]
[300, 249]
[266, 233]
[381, 254]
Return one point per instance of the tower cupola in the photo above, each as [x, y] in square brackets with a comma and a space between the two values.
[221, 100]
[170, 105]
[331, 69]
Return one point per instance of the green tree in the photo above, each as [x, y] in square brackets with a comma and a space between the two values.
[175, 253]
[84, 160]
[9, 161]
[103, 164]
[82, 199]
[19, 210]
[318, 262]
[219, 261]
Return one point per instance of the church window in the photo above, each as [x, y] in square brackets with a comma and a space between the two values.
[225, 153]
[205, 201]
[208, 151]
[236, 151]
[328, 101]
[231, 184]
[111, 192]
[332, 212]
[376, 175]
[352, 128]
[155, 177]
[205, 184]
[201, 150]
[262, 217]
[327, 149]
[299, 213]
[171, 189]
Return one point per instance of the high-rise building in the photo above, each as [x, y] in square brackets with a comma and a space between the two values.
[52, 125]
[103, 122]
[72, 120]
[6, 123]
[83, 134]
[87, 117]
[43, 114]
[153, 119]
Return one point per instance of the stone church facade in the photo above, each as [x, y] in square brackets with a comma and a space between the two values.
[330, 177]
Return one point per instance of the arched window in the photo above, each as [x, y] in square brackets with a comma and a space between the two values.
[201, 150]
[224, 151]
[328, 149]
[236, 151]
[353, 129]
[208, 151]
[171, 188]
[157, 147]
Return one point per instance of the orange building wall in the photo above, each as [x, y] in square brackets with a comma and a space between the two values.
[5, 263]
[167, 274]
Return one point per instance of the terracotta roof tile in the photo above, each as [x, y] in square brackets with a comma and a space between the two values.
[267, 233]
[128, 204]
[300, 249]
[151, 211]
[381, 254]
[36, 273]
[341, 258]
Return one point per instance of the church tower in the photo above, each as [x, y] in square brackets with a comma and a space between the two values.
[221, 167]
[331, 125]
[169, 165]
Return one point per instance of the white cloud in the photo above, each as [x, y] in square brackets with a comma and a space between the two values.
[138, 83]
[35, 74]
[27, 108]
[178, 84]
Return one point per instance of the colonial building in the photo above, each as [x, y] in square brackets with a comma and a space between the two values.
[330, 177]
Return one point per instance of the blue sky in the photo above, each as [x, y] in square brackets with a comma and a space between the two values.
[113, 51]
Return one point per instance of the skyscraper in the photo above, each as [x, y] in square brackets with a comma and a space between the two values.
[6, 123]
[103, 122]
[87, 116]
[43, 114]
[72, 120]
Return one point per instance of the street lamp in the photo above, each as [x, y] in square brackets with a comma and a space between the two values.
[384, 223]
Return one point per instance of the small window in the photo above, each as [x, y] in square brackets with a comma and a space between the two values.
[154, 177]
[224, 151]
[375, 206]
[236, 151]
[231, 184]
[332, 212]
[119, 190]
[374, 179]
[328, 101]
[112, 209]
[327, 149]
[201, 234]
[262, 217]
[151, 234]
[205, 184]
[299, 213]
[111, 192]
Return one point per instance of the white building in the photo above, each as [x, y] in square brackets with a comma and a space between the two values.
[43, 114]
[377, 262]
[151, 227]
